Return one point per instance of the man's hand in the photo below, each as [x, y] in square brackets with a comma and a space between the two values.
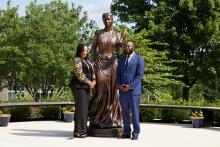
[120, 87]
[124, 87]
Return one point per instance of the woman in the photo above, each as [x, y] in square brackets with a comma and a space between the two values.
[82, 81]
[105, 108]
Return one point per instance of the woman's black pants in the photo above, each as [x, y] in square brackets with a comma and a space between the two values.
[81, 109]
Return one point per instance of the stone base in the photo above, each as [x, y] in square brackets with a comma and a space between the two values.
[109, 132]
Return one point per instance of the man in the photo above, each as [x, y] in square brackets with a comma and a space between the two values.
[129, 74]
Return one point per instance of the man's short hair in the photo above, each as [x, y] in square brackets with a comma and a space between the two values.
[131, 42]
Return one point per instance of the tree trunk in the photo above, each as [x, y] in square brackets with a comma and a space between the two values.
[216, 87]
[186, 93]
[186, 88]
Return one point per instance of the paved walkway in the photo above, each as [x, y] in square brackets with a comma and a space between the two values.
[59, 134]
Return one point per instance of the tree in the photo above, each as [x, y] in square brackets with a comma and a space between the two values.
[35, 49]
[158, 72]
[131, 11]
[51, 33]
[10, 55]
[190, 27]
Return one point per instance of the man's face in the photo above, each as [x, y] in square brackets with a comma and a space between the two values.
[107, 20]
[128, 48]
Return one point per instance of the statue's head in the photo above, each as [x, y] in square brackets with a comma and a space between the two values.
[107, 19]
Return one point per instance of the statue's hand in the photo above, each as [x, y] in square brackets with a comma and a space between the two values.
[123, 34]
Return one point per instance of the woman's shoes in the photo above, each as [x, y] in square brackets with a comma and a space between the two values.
[77, 135]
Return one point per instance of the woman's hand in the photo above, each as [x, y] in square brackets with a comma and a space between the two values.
[93, 84]
[89, 83]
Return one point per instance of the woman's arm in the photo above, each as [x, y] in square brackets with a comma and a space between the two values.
[78, 71]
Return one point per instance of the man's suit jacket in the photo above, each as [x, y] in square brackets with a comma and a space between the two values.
[133, 74]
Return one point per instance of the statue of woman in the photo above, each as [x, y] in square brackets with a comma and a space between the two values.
[105, 109]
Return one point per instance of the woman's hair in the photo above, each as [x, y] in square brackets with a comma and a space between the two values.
[80, 49]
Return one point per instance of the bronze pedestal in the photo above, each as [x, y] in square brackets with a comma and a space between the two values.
[105, 132]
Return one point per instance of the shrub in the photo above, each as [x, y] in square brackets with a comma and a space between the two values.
[167, 115]
[68, 109]
[50, 112]
[20, 113]
[147, 114]
[4, 110]
[217, 116]
[197, 113]
[181, 114]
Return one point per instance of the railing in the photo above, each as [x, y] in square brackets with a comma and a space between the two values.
[63, 104]
[23, 104]
[179, 107]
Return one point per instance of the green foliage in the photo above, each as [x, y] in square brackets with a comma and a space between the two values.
[163, 96]
[147, 114]
[217, 116]
[35, 49]
[20, 113]
[179, 115]
[197, 113]
[68, 109]
[4, 110]
[175, 115]
[66, 96]
[180, 102]
[10, 54]
[167, 115]
[189, 28]
[50, 112]
[51, 34]
[23, 99]
[201, 91]
[158, 72]
[131, 11]
[87, 32]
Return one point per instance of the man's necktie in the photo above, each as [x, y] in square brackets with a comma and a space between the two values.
[126, 62]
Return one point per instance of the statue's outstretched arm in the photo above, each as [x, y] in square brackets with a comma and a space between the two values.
[123, 36]
[121, 39]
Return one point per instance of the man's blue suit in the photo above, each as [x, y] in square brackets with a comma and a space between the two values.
[129, 101]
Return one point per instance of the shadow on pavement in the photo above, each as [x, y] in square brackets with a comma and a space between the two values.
[42, 133]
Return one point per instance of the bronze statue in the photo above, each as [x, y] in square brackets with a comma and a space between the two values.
[105, 109]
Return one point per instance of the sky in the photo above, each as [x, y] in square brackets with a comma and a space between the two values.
[95, 8]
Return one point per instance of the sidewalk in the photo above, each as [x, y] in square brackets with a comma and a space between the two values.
[59, 134]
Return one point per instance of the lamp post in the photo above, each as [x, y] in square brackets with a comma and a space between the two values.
[49, 92]
[40, 92]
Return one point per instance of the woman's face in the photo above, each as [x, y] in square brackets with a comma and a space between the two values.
[84, 53]
[107, 20]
